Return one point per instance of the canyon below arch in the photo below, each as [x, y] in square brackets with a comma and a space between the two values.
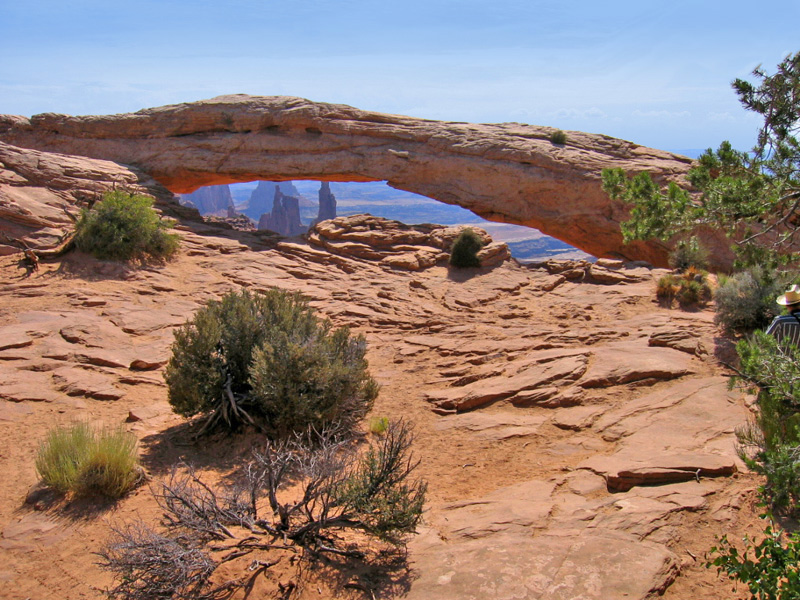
[508, 172]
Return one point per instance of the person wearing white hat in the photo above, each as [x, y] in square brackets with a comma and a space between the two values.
[787, 327]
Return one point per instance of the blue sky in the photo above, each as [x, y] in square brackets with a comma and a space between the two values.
[657, 73]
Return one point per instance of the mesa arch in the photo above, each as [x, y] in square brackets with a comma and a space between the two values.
[503, 172]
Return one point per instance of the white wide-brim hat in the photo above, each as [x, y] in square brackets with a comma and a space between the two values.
[792, 296]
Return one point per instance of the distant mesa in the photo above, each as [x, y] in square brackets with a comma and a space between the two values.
[506, 172]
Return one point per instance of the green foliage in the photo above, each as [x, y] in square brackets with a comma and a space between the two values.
[464, 253]
[753, 197]
[688, 253]
[89, 461]
[746, 300]
[559, 138]
[769, 445]
[267, 359]
[768, 568]
[124, 227]
[378, 489]
[378, 425]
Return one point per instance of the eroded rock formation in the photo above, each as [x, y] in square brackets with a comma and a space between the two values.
[41, 193]
[285, 215]
[213, 200]
[397, 245]
[327, 203]
[506, 172]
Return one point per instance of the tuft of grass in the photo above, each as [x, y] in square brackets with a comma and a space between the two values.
[689, 288]
[61, 455]
[378, 425]
[559, 138]
[89, 461]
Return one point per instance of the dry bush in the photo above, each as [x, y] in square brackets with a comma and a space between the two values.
[292, 495]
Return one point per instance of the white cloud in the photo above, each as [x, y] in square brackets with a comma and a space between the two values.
[577, 113]
[721, 116]
[661, 114]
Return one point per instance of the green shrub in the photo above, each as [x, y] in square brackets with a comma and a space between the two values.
[746, 300]
[89, 461]
[688, 253]
[268, 360]
[124, 227]
[770, 569]
[770, 444]
[464, 253]
[558, 138]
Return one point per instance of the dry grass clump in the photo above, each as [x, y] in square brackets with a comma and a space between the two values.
[89, 461]
[689, 288]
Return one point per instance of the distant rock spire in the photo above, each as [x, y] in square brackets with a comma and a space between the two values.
[327, 203]
[285, 215]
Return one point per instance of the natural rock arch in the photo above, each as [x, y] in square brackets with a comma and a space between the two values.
[506, 172]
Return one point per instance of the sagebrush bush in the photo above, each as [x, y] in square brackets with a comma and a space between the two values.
[688, 253]
[268, 360]
[87, 461]
[123, 227]
[464, 253]
[558, 137]
[745, 301]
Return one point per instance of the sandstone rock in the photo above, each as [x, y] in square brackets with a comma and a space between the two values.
[14, 338]
[41, 192]
[684, 340]
[528, 376]
[557, 566]
[519, 507]
[75, 381]
[626, 362]
[31, 531]
[622, 472]
[494, 427]
[493, 170]
[146, 413]
[599, 274]
[395, 244]
[676, 434]
[327, 203]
